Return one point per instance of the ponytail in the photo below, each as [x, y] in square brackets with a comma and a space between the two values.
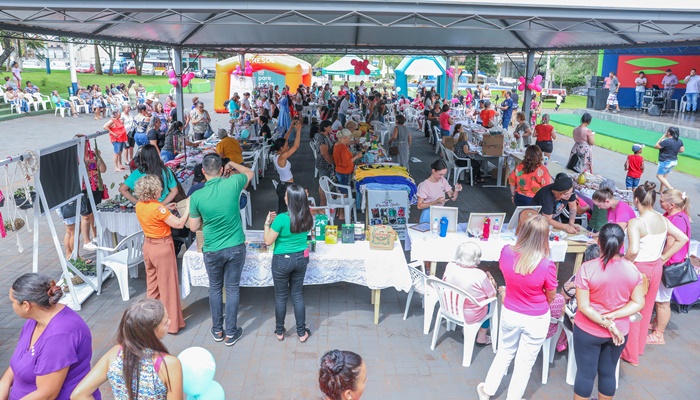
[611, 239]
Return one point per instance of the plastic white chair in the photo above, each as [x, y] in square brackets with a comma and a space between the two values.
[62, 110]
[41, 99]
[549, 348]
[451, 300]
[315, 152]
[123, 260]
[420, 285]
[78, 106]
[335, 199]
[31, 102]
[684, 103]
[456, 169]
[253, 162]
[438, 138]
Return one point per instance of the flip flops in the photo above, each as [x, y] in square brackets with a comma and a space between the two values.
[488, 342]
[308, 335]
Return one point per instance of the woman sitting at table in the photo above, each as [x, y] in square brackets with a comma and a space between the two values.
[462, 150]
[288, 232]
[54, 348]
[229, 147]
[158, 248]
[432, 191]
[463, 273]
[150, 163]
[528, 177]
[282, 165]
[618, 211]
[554, 198]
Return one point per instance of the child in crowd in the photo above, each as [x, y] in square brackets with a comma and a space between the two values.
[634, 165]
[558, 100]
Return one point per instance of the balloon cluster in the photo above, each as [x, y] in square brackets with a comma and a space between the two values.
[198, 369]
[361, 66]
[451, 72]
[534, 85]
[186, 78]
[248, 71]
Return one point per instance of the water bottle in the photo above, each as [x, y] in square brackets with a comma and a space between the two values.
[545, 160]
[487, 228]
[496, 225]
[436, 226]
[443, 226]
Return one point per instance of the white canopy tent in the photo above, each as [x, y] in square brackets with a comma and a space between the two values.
[425, 67]
[344, 67]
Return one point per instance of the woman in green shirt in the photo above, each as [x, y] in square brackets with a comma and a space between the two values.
[288, 231]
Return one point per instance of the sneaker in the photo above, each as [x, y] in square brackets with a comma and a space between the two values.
[89, 246]
[615, 111]
[218, 336]
[480, 392]
[231, 340]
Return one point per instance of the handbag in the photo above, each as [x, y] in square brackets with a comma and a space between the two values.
[679, 274]
[394, 151]
[576, 162]
[208, 132]
[180, 193]
[68, 210]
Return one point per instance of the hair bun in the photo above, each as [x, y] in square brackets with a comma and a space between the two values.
[55, 292]
[649, 186]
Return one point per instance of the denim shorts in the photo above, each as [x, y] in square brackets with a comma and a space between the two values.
[631, 183]
[141, 139]
[118, 147]
[665, 167]
[445, 132]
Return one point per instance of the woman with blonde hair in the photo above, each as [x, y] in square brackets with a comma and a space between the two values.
[531, 279]
[464, 273]
[647, 249]
[158, 248]
[676, 205]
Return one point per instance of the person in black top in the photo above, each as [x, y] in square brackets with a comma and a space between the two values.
[264, 129]
[155, 136]
[554, 198]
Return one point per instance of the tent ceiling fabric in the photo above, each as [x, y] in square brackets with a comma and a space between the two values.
[423, 66]
[340, 26]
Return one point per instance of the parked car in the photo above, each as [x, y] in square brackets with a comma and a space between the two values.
[116, 68]
[580, 91]
[85, 68]
[146, 69]
[551, 94]
[205, 73]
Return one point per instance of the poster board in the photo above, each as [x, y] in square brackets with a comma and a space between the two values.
[388, 207]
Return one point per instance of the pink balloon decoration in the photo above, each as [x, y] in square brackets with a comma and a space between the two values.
[171, 73]
[522, 81]
[537, 79]
[238, 71]
[249, 70]
[538, 88]
[531, 86]
[190, 76]
[172, 81]
[521, 87]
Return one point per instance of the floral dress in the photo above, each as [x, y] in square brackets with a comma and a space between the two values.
[581, 146]
[150, 386]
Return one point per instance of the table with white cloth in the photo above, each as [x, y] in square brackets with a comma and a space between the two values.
[427, 246]
[119, 223]
[330, 263]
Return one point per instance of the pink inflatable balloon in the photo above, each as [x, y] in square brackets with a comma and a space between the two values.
[521, 87]
[538, 88]
[172, 81]
[190, 76]
[522, 80]
[531, 86]
[249, 70]
[171, 73]
[537, 79]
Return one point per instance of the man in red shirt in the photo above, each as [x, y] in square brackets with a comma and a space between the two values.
[634, 165]
[487, 114]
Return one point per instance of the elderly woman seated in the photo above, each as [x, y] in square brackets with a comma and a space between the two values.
[463, 273]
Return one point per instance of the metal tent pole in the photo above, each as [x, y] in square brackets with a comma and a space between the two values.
[529, 73]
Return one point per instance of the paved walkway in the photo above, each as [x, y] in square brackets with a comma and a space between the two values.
[400, 362]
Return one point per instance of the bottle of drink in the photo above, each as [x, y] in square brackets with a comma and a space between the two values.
[496, 225]
[436, 226]
[443, 226]
[487, 228]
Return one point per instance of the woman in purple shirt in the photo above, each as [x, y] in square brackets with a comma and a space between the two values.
[55, 346]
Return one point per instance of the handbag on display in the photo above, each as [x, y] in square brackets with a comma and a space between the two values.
[679, 274]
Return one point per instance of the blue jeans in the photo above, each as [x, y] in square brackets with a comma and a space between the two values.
[288, 272]
[167, 155]
[631, 183]
[141, 139]
[341, 117]
[692, 104]
[224, 268]
[521, 200]
[665, 167]
[639, 96]
[506, 122]
[343, 179]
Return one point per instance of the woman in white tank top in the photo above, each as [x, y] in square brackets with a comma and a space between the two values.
[647, 238]
[284, 168]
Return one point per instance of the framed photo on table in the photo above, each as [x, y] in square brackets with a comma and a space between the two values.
[476, 222]
[451, 213]
[513, 223]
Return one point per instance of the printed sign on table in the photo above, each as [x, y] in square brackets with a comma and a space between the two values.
[388, 207]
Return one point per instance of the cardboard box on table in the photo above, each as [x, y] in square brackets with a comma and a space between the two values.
[492, 145]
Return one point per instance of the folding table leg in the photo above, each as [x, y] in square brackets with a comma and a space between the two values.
[377, 293]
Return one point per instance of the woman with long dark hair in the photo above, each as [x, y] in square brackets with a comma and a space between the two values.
[282, 152]
[432, 191]
[669, 146]
[288, 231]
[528, 177]
[342, 376]
[54, 347]
[138, 367]
[608, 290]
[174, 142]
[150, 163]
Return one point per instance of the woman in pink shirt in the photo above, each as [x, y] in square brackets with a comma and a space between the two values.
[463, 273]
[432, 191]
[619, 212]
[531, 279]
[608, 290]
[445, 120]
[676, 205]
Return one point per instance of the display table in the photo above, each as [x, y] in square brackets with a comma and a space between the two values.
[426, 246]
[352, 263]
[121, 223]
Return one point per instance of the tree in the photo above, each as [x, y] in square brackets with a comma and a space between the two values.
[309, 58]
[487, 64]
[326, 60]
[7, 47]
[572, 68]
[111, 48]
[98, 62]
[139, 51]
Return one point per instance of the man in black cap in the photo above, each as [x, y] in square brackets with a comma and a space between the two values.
[553, 198]
[198, 180]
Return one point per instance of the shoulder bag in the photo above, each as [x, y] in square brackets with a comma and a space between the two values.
[576, 162]
[679, 274]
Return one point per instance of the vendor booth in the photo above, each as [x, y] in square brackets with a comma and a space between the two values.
[273, 70]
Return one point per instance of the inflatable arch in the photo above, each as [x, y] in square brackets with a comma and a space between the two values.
[425, 65]
[271, 69]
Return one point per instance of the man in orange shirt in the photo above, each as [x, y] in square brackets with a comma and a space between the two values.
[229, 147]
[487, 115]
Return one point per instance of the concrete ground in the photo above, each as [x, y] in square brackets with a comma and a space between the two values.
[398, 356]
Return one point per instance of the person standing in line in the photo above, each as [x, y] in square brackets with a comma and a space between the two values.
[215, 209]
[343, 108]
[612, 96]
[545, 135]
[692, 88]
[608, 290]
[669, 83]
[117, 135]
[647, 236]
[640, 88]
[676, 205]
[156, 220]
[288, 232]
[669, 145]
[531, 281]
[401, 137]
[507, 110]
[634, 165]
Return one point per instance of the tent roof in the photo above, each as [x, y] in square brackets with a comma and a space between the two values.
[423, 66]
[344, 67]
[368, 26]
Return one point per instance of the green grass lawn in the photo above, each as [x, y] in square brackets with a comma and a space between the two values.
[60, 80]
[572, 102]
